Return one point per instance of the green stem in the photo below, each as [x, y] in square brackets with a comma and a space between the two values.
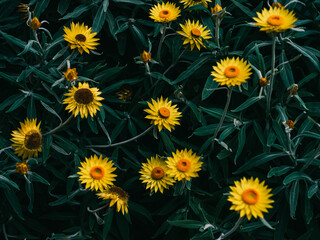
[273, 62]
[232, 230]
[123, 142]
[64, 62]
[229, 93]
[161, 41]
[218, 21]
[59, 127]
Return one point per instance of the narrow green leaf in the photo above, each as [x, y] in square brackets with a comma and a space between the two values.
[265, 222]
[77, 11]
[293, 198]
[259, 132]
[105, 5]
[294, 176]
[41, 7]
[209, 87]
[278, 171]
[241, 142]
[245, 9]
[190, 224]
[33, 176]
[10, 100]
[9, 182]
[286, 73]
[64, 199]
[247, 103]
[313, 189]
[167, 142]
[30, 194]
[136, 2]
[13, 201]
[308, 134]
[99, 19]
[51, 110]
[63, 6]
[17, 104]
[107, 224]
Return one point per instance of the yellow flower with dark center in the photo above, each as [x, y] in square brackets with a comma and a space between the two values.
[80, 37]
[145, 56]
[97, 173]
[190, 3]
[35, 24]
[231, 72]
[250, 198]
[124, 94]
[275, 20]
[163, 114]
[117, 196]
[193, 33]
[183, 165]
[27, 140]
[217, 8]
[22, 167]
[154, 174]
[164, 12]
[83, 100]
[71, 74]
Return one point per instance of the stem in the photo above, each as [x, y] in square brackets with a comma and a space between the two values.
[311, 159]
[229, 93]
[173, 64]
[4, 232]
[161, 41]
[6, 148]
[123, 142]
[232, 230]
[65, 60]
[96, 210]
[59, 127]
[273, 62]
[217, 32]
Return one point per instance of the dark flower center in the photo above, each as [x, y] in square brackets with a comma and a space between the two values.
[80, 38]
[83, 96]
[32, 140]
[120, 192]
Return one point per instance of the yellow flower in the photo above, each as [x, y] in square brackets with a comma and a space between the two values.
[80, 37]
[22, 167]
[27, 140]
[71, 74]
[263, 82]
[231, 72]
[275, 20]
[250, 198]
[116, 195]
[193, 33]
[35, 24]
[97, 173]
[145, 56]
[23, 8]
[277, 5]
[217, 8]
[184, 165]
[83, 100]
[163, 114]
[290, 124]
[124, 94]
[190, 3]
[154, 174]
[164, 12]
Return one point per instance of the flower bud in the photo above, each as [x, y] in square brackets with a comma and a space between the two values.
[22, 167]
[145, 57]
[216, 9]
[71, 74]
[263, 82]
[35, 24]
[290, 124]
[278, 5]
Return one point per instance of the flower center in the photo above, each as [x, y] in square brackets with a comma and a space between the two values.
[80, 37]
[70, 76]
[275, 20]
[164, 112]
[157, 173]
[231, 71]
[164, 13]
[97, 172]
[183, 165]
[119, 192]
[83, 96]
[32, 140]
[250, 196]
[195, 32]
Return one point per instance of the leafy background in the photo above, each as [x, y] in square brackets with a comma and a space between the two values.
[51, 206]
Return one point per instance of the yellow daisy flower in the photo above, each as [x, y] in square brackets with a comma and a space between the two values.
[190, 3]
[193, 33]
[275, 20]
[22, 167]
[154, 174]
[164, 12]
[184, 165]
[163, 114]
[231, 72]
[23, 8]
[80, 37]
[250, 198]
[27, 140]
[116, 195]
[71, 74]
[83, 100]
[97, 173]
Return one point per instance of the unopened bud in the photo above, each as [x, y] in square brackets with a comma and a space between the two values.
[263, 82]
[290, 124]
[216, 9]
[145, 57]
[35, 24]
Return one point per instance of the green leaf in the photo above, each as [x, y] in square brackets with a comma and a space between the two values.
[116, 131]
[105, 5]
[136, 2]
[296, 176]
[63, 6]
[9, 182]
[10, 100]
[30, 194]
[265, 222]
[245, 9]
[49, 109]
[31, 111]
[17, 104]
[278, 171]
[308, 134]
[14, 202]
[293, 198]
[77, 11]
[241, 142]
[308, 78]
[107, 224]
[259, 160]
[99, 19]
[313, 189]
[286, 74]
[44, 76]
[167, 142]
[209, 87]
[40, 7]
[196, 111]
[139, 209]
[259, 132]
[64, 199]
[16, 41]
[33, 176]
[190, 224]
[209, 129]
[6, 76]
[247, 103]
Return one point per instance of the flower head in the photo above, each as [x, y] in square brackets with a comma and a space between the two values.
[164, 12]
[163, 114]
[154, 174]
[217, 8]
[184, 165]
[97, 173]
[23, 8]
[250, 198]
[22, 167]
[231, 72]
[145, 56]
[190, 3]
[277, 4]
[275, 20]
[27, 140]
[116, 195]
[83, 100]
[80, 37]
[193, 33]
[290, 124]
[124, 94]
[71, 74]
[35, 24]
[263, 82]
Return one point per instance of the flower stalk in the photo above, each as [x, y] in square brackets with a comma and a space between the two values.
[273, 62]
[232, 230]
[59, 127]
[164, 26]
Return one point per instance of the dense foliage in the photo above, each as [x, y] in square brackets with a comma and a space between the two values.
[42, 196]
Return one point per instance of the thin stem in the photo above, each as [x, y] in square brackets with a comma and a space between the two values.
[311, 159]
[123, 142]
[6, 148]
[4, 232]
[64, 62]
[218, 21]
[232, 230]
[229, 93]
[273, 62]
[96, 210]
[173, 64]
[161, 41]
[59, 127]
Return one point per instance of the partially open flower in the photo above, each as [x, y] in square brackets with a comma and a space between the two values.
[263, 82]
[71, 74]
[145, 56]
[22, 167]
[277, 5]
[293, 89]
[216, 9]
[290, 124]
[35, 24]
